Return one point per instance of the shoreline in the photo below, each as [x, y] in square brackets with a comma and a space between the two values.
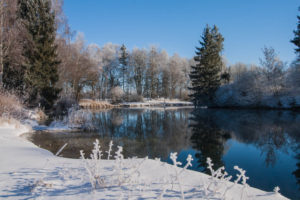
[44, 175]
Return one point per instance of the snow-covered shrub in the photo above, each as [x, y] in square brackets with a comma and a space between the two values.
[173, 157]
[39, 115]
[121, 174]
[176, 178]
[293, 74]
[79, 118]
[116, 95]
[276, 190]
[11, 106]
[93, 166]
[245, 91]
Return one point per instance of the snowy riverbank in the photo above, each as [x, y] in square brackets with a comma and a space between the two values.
[161, 102]
[26, 171]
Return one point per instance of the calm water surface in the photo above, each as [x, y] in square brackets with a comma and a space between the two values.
[266, 143]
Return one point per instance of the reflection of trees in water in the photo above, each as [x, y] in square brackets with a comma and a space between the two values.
[270, 131]
[141, 132]
[158, 132]
[296, 173]
[208, 138]
[272, 139]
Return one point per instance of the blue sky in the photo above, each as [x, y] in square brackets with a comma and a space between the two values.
[176, 25]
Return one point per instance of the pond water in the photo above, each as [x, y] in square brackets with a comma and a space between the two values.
[264, 143]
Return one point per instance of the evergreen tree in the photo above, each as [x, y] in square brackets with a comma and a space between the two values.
[13, 77]
[296, 40]
[124, 62]
[205, 75]
[40, 52]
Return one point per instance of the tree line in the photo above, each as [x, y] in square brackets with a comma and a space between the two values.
[43, 61]
[272, 84]
[100, 72]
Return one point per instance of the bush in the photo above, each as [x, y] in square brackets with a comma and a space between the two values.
[10, 105]
[116, 95]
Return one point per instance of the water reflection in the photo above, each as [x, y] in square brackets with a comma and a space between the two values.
[265, 143]
[296, 173]
[208, 138]
[153, 133]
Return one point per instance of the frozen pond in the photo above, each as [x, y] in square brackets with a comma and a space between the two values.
[264, 143]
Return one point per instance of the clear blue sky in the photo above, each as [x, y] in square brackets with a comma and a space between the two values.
[176, 25]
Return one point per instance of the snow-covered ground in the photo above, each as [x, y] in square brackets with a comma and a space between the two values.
[29, 172]
[161, 102]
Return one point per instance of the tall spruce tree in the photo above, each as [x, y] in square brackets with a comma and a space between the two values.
[296, 40]
[205, 75]
[124, 62]
[40, 52]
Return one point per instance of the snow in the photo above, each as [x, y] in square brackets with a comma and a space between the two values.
[160, 102]
[231, 96]
[29, 172]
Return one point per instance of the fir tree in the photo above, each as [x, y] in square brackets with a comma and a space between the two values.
[40, 52]
[296, 40]
[205, 75]
[124, 62]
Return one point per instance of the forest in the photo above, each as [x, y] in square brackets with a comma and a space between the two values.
[46, 64]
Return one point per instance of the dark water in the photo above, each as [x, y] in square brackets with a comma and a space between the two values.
[266, 143]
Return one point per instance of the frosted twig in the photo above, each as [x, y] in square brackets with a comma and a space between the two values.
[92, 178]
[173, 157]
[241, 175]
[119, 160]
[109, 150]
[189, 160]
[60, 150]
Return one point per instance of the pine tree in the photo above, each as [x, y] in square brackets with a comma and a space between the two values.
[296, 40]
[205, 75]
[40, 52]
[124, 62]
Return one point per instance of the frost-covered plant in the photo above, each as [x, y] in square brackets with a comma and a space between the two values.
[126, 174]
[92, 166]
[116, 94]
[80, 118]
[242, 176]
[276, 190]
[220, 173]
[11, 106]
[189, 160]
[173, 157]
[218, 179]
[109, 150]
[119, 164]
[176, 178]
[120, 175]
